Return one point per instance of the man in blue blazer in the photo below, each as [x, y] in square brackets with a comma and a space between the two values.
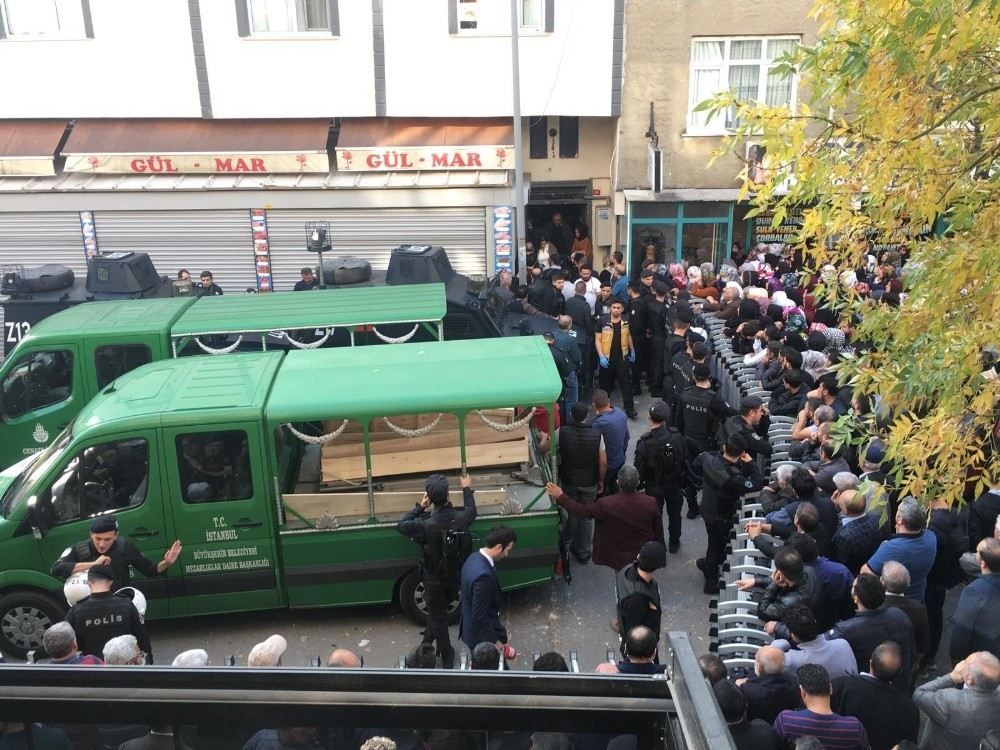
[481, 596]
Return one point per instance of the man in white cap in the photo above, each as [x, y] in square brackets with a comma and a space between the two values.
[267, 653]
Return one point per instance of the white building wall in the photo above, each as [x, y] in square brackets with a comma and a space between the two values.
[139, 64]
[308, 75]
[431, 73]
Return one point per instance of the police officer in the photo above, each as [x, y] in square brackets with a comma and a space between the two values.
[103, 616]
[660, 461]
[656, 328]
[675, 341]
[700, 411]
[636, 311]
[441, 566]
[105, 548]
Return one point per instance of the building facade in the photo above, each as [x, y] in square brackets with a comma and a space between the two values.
[666, 194]
[181, 127]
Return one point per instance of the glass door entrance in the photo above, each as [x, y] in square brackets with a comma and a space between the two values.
[696, 232]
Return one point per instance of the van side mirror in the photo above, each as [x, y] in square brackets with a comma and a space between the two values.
[38, 518]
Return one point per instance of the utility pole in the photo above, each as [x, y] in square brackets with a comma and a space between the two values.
[518, 202]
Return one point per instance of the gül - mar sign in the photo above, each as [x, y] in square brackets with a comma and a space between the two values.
[228, 163]
[427, 158]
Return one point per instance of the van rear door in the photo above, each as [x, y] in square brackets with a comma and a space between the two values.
[41, 389]
[220, 501]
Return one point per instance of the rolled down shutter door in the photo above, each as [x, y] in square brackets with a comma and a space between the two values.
[34, 239]
[372, 233]
[216, 241]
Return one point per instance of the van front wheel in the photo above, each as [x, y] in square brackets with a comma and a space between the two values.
[24, 618]
[414, 604]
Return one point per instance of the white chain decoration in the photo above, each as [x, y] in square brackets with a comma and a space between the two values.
[507, 427]
[322, 439]
[401, 339]
[226, 350]
[314, 345]
[419, 432]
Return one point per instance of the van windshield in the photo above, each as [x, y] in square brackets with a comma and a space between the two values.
[19, 491]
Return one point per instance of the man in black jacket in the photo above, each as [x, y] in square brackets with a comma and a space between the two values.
[582, 315]
[788, 401]
[771, 689]
[638, 593]
[726, 476]
[661, 462]
[751, 424]
[888, 715]
[546, 295]
[583, 463]
[103, 616]
[791, 583]
[440, 534]
[858, 535]
[656, 327]
[871, 625]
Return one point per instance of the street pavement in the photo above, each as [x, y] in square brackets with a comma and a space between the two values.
[553, 616]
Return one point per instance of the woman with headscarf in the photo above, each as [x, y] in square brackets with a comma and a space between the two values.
[678, 278]
[697, 285]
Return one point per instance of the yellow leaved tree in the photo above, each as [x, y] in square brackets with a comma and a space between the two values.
[898, 130]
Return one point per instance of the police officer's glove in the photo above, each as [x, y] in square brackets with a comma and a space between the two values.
[604, 362]
[631, 357]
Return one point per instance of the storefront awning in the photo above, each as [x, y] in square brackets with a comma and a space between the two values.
[191, 146]
[27, 147]
[411, 144]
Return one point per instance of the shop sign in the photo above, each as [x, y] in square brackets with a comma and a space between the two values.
[261, 249]
[27, 167]
[503, 232]
[425, 158]
[235, 163]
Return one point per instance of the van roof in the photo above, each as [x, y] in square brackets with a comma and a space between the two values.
[168, 391]
[392, 379]
[282, 311]
[134, 316]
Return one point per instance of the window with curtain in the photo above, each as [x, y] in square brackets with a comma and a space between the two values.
[59, 18]
[745, 66]
[288, 16]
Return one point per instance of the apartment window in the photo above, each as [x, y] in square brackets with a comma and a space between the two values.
[266, 17]
[538, 134]
[487, 17]
[569, 137]
[746, 67]
[26, 19]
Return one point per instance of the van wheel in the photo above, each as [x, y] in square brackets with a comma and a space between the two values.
[24, 617]
[413, 604]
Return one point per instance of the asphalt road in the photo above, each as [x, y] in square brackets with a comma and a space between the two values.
[554, 616]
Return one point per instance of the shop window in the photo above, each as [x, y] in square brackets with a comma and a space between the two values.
[264, 17]
[746, 66]
[537, 137]
[115, 360]
[214, 466]
[37, 380]
[488, 17]
[569, 137]
[68, 19]
[101, 478]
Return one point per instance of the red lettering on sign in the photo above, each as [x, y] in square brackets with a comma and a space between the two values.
[257, 165]
[223, 165]
[137, 165]
[439, 160]
[473, 159]
[405, 162]
[374, 161]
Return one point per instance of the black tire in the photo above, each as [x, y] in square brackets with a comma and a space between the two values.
[411, 600]
[344, 271]
[24, 617]
[48, 278]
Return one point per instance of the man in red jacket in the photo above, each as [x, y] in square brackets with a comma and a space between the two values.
[625, 521]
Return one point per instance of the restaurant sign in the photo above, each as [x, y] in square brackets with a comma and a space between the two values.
[428, 158]
[234, 163]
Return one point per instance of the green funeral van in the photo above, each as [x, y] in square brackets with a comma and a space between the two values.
[68, 357]
[283, 475]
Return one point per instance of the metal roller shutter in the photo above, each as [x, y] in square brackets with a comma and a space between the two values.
[217, 241]
[32, 239]
[372, 233]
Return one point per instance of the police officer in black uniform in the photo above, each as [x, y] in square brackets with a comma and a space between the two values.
[675, 341]
[660, 461]
[441, 574]
[656, 327]
[636, 313]
[700, 411]
[105, 548]
[103, 616]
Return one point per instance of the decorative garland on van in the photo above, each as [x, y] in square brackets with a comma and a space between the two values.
[401, 339]
[419, 432]
[320, 440]
[225, 350]
[314, 345]
[499, 427]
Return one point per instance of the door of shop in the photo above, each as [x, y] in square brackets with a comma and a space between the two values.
[695, 232]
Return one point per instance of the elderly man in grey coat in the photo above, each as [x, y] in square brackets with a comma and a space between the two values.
[962, 706]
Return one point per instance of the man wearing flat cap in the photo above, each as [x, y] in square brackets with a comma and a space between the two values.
[442, 534]
[105, 548]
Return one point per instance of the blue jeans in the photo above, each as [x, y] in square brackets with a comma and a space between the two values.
[571, 394]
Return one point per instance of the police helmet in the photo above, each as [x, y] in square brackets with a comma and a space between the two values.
[137, 598]
[76, 589]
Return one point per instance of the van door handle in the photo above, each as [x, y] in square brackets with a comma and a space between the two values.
[246, 523]
[142, 533]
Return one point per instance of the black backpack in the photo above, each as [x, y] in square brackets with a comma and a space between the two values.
[456, 546]
[671, 463]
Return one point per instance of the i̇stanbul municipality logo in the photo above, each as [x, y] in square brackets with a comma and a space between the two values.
[40, 435]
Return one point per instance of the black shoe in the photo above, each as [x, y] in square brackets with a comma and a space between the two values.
[448, 658]
[632, 413]
[711, 587]
[675, 546]
[693, 512]
[700, 564]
